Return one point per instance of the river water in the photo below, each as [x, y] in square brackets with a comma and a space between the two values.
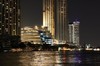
[50, 58]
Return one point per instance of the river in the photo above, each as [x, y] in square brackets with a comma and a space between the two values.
[50, 58]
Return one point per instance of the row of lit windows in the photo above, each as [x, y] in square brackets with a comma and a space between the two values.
[7, 29]
[9, 24]
[6, 3]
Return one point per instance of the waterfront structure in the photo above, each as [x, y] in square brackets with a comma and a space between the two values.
[36, 35]
[10, 17]
[55, 15]
[74, 33]
[46, 36]
[29, 34]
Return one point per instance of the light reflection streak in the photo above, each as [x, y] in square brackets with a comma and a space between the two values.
[48, 58]
[38, 58]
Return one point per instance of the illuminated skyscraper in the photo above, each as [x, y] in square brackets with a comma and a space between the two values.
[61, 23]
[48, 15]
[55, 18]
[10, 17]
[74, 33]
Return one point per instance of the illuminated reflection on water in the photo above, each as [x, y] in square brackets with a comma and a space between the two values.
[50, 58]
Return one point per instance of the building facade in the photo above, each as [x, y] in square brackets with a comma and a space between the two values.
[74, 33]
[10, 17]
[57, 11]
[36, 36]
[29, 34]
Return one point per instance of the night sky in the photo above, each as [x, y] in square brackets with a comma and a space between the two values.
[85, 11]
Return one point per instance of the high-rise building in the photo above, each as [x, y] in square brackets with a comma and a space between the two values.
[74, 33]
[10, 17]
[61, 20]
[55, 15]
[48, 15]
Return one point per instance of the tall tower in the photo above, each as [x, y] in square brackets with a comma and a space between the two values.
[48, 15]
[61, 20]
[10, 17]
[74, 33]
[55, 18]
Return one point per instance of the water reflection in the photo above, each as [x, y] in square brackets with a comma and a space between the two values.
[39, 58]
[50, 58]
[68, 57]
[43, 59]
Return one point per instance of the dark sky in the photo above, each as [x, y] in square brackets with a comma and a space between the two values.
[86, 11]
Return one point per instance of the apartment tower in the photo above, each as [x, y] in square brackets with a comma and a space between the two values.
[10, 17]
[74, 33]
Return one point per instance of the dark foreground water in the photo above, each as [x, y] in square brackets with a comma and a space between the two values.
[50, 58]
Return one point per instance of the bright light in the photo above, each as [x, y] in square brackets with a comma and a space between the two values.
[42, 26]
[36, 27]
[27, 28]
[55, 41]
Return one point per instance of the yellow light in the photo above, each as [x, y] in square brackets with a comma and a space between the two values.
[42, 26]
[36, 27]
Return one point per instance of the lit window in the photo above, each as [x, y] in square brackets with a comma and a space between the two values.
[18, 19]
[3, 4]
[10, 9]
[6, 29]
[10, 24]
[6, 18]
[6, 7]
[13, 30]
[13, 7]
[15, 23]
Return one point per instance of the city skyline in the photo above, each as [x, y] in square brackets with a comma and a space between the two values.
[87, 12]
